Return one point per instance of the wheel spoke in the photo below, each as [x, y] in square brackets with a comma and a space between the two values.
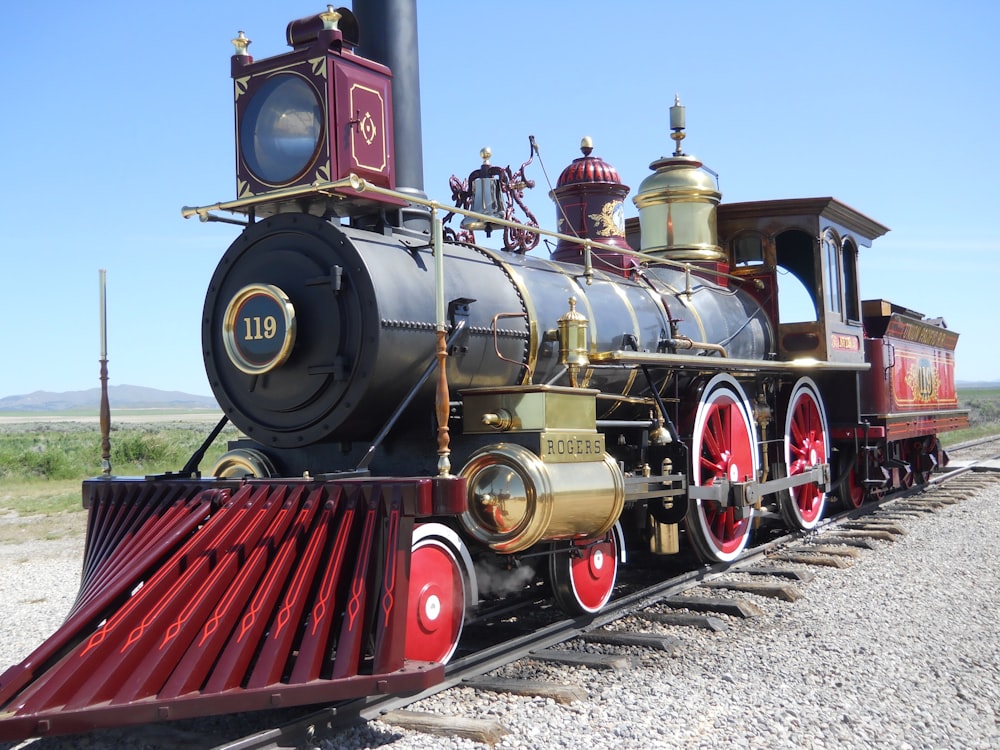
[714, 470]
[799, 428]
[713, 428]
[728, 524]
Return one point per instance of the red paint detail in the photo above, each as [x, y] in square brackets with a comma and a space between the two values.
[873, 432]
[444, 496]
[349, 643]
[907, 377]
[924, 380]
[390, 639]
[272, 657]
[361, 119]
[316, 639]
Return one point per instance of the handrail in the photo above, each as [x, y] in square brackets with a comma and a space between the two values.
[361, 185]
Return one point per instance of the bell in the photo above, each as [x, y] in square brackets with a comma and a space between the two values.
[487, 195]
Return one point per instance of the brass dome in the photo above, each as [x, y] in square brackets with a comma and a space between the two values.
[677, 211]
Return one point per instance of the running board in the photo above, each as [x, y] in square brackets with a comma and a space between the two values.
[217, 596]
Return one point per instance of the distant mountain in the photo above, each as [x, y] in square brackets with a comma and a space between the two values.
[120, 397]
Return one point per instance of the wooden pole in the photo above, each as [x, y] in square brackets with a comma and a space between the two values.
[105, 405]
[443, 401]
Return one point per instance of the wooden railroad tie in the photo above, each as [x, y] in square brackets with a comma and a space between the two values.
[616, 662]
[850, 541]
[477, 730]
[538, 688]
[796, 574]
[877, 525]
[811, 558]
[651, 641]
[706, 622]
[785, 592]
[721, 605]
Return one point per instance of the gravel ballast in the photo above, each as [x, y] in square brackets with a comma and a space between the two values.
[899, 650]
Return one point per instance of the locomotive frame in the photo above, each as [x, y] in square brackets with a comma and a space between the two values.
[608, 404]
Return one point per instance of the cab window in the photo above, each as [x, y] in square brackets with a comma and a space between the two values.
[795, 258]
[832, 276]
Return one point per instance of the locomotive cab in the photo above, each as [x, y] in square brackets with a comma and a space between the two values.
[807, 245]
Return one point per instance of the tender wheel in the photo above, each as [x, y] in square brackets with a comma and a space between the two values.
[442, 585]
[723, 446]
[583, 579]
[919, 457]
[807, 444]
[907, 477]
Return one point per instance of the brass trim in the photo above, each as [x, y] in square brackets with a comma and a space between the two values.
[229, 321]
[529, 310]
[359, 185]
[324, 135]
[243, 462]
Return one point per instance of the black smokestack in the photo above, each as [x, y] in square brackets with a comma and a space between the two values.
[389, 36]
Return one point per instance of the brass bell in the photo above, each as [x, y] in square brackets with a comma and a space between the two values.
[487, 195]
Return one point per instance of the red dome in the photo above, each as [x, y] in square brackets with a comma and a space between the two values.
[588, 169]
[589, 199]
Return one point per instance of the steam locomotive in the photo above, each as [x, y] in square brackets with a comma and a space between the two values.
[422, 416]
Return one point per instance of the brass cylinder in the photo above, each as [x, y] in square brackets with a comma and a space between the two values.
[517, 500]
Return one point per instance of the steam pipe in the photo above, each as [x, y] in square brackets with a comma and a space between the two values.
[683, 342]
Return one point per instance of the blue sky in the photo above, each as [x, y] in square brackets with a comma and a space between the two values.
[117, 114]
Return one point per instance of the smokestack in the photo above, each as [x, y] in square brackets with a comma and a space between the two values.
[389, 36]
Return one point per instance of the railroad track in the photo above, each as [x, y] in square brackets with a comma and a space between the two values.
[568, 639]
[787, 557]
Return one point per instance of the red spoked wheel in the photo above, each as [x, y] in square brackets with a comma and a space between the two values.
[723, 446]
[442, 585]
[807, 442]
[584, 578]
[852, 493]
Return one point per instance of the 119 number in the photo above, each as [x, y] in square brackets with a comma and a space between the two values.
[258, 328]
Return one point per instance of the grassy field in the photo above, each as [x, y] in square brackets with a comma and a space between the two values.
[44, 459]
[984, 415]
[43, 462]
